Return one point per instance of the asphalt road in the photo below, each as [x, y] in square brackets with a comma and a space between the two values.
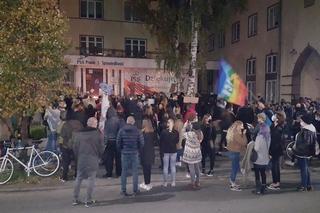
[214, 196]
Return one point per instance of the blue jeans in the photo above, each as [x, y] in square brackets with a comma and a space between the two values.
[52, 142]
[235, 164]
[169, 158]
[129, 161]
[179, 154]
[304, 172]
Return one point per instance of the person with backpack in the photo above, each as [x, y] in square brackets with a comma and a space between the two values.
[305, 147]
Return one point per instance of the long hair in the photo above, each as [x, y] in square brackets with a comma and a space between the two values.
[232, 129]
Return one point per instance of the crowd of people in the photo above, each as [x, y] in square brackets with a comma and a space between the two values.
[252, 136]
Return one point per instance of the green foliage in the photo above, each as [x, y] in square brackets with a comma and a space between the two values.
[37, 132]
[31, 54]
[170, 21]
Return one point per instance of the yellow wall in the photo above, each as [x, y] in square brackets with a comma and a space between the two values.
[113, 27]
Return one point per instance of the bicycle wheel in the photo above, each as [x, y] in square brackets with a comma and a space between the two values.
[6, 170]
[45, 163]
[289, 151]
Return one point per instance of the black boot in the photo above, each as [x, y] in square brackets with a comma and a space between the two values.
[263, 188]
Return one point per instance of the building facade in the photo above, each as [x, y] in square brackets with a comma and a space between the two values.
[274, 46]
[110, 44]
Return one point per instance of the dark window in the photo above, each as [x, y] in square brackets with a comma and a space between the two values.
[130, 14]
[211, 41]
[271, 63]
[308, 3]
[221, 39]
[92, 9]
[235, 32]
[252, 25]
[91, 45]
[273, 17]
[135, 48]
[251, 66]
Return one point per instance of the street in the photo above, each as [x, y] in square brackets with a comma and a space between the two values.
[214, 196]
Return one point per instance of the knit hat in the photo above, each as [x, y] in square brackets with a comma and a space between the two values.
[307, 119]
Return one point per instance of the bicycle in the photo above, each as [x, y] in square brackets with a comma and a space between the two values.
[44, 163]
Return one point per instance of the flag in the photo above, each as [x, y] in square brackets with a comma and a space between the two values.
[230, 86]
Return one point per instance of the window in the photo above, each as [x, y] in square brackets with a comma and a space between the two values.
[251, 66]
[308, 3]
[271, 91]
[91, 45]
[271, 63]
[129, 13]
[251, 86]
[221, 39]
[211, 43]
[252, 25]
[235, 32]
[92, 9]
[273, 16]
[135, 48]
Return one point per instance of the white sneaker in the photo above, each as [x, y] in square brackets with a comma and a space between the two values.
[187, 175]
[235, 188]
[173, 184]
[148, 187]
[143, 186]
[165, 184]
[179, 164]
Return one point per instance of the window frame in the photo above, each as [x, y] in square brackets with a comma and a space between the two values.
[256, 25]
[237, 39]
[211, 42]
[272, 69]
[267, 91]
[252, 91]
[87, 42]
[139, 40]
[95, 9]
[132, 17]
[273, 26]
[221, 39]
[249, 61]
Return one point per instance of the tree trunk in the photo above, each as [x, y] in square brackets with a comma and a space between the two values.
[193, 63]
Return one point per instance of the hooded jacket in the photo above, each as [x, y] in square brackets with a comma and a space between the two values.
[306, 142]
[53, 118]
[112, 126]
[130, 140]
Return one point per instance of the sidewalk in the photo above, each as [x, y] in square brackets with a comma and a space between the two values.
[221, 176]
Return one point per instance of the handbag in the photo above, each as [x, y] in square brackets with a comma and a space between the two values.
[254, 155]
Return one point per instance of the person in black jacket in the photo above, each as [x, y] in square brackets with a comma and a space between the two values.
[169, 139]
[111, 154]
[276, 149]
[305, 147]
[207, 145]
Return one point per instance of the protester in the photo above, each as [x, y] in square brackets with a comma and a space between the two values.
[305, 147]
[52, 116]
[192, 153]
[169, 139]
[276, 149]
[207, 145]
[111, 153]
[147, 152]
[236, 144]
[178, 126]
[129, 141]
[88, 149]
[261, 146]
[68, 128]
